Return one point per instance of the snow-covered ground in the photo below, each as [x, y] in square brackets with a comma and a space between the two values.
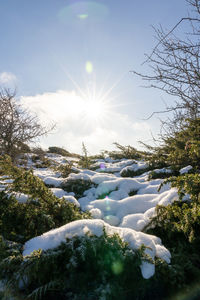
[122, 205]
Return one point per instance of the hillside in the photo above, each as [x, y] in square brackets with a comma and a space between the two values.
[119, 228]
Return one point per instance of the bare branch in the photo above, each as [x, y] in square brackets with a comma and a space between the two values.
[17, 125]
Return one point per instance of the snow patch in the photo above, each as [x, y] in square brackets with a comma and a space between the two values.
[135, 239]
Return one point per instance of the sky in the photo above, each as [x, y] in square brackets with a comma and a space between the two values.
[71, 63]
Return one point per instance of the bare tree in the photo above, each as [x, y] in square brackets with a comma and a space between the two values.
[175, 65]
[17, 125]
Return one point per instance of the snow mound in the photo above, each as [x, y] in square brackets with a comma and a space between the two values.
[58, 192]
[185, 170]
[52, 181]
[135, 239]
[71, 199]
[140, 165]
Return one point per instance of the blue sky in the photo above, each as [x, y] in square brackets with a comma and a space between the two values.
[46, 44]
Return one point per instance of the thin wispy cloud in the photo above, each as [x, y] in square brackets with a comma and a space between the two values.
[7, 77]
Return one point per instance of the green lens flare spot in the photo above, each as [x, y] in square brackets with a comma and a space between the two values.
[89, 67]
[117, 267]
[82, 16]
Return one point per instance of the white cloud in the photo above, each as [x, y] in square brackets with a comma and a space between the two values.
[75, 125]
[7, 77]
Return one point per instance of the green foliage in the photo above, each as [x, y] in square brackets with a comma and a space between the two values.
[179, 149]
[42, 212]
[125, 152]
[41, 161]
[179, 217]
[131, 173]
[132, 193]
[59, 150]
[85, 161]
[87, 267]
[8, 248]
[186, 184]
[104, 195]
[78, 186]
[161, 175]
[66, 169]
[178, 226]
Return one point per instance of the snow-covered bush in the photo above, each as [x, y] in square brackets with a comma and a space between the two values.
[66, 169]
[186, 184]
[77, 186]
[58, 150]
[178, 225]
[87, 267]
[41, 211]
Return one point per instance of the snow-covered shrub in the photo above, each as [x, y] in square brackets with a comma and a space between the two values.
[77, 186]
[86, 268]
[132, 173]
[85, 161]
[179, 149]
[161, 173]
[22, 221]
[66, 169]
[181, 217]
[178, 225]
[41, 212]
[128, 152]
[186, 184]
[58, 150]
[43, 163]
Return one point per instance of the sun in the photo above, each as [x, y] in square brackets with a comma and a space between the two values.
[95, 109]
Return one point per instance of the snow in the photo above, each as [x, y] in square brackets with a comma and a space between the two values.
[125, 184]
[185, 170]
[132, 212]
[45, 173]
[112, 220]
[21, 197]
[135, 167]
[71, 199]
[96, 213]
[53, 181]
[99, 178]
[113, 166]
[82, 176]
[53, 238]
[60, 159]
[122, 205]
[58, 192]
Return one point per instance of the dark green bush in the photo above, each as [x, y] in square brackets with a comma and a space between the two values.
[78, 186]
[131, 173]
[62, 151]
[59, 150]
[162, 175]
[87, 267]
[128, 152]
[42, 211]
[179, 149]
[186, 184]
[66, 169]
[178, 225]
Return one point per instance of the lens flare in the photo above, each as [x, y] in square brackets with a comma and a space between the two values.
[83, 10]
[89, 67]
[102, 166]
[82, 16]
[117, 267]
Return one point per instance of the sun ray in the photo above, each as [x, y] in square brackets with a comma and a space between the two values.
[95, 106]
